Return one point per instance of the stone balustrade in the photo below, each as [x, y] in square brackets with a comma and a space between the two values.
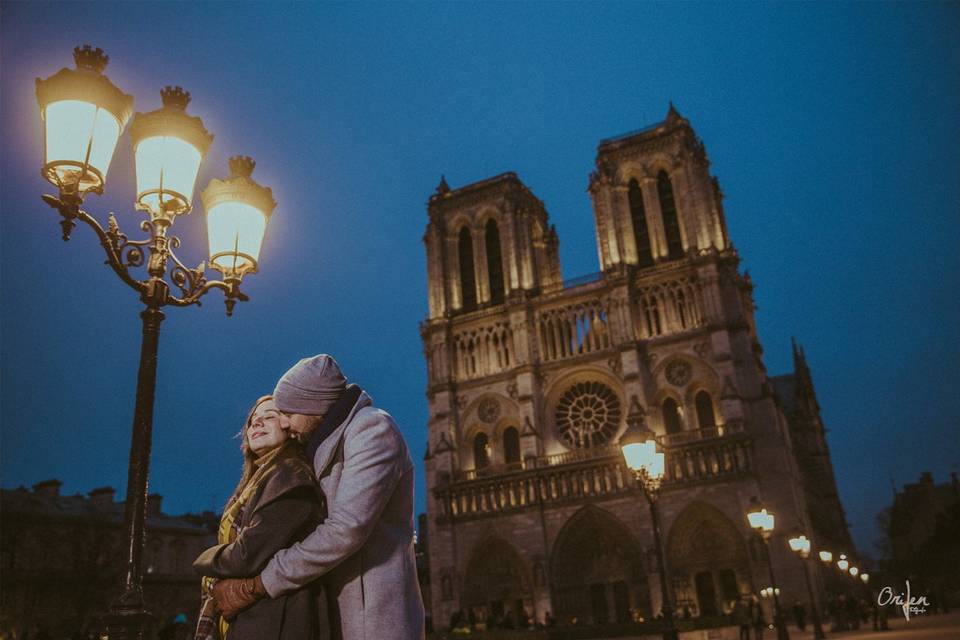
[582, 474]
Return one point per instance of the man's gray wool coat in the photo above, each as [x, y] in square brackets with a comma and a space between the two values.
[364, 549]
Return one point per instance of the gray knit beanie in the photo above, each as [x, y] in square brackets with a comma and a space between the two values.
[310, 387]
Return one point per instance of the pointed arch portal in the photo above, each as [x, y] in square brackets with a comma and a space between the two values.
[497, 582]
[707, 560]
[597, 570]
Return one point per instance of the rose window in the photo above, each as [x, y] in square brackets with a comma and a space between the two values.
[587, 415]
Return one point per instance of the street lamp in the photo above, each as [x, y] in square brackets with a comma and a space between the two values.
[826, 557]
[762, 521]
[647, 464]
[800, 545]
[865, 577]
[83, 115]
[843, 564]
[854, 571]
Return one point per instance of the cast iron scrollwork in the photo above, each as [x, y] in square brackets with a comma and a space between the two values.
[124, 254]
[128, 252]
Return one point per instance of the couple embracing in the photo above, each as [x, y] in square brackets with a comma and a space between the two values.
[316, 542]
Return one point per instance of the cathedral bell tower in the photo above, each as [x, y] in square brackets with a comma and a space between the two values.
[486, 242]
[654, 199]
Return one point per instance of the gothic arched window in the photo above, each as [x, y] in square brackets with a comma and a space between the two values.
[705, 415]
[511, 446]
[671, 416]
[641, 235]
[468, 281]
[481, 457]
[668, 208]
[494, 262]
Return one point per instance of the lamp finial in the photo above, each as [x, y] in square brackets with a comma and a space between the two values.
[175, 97]
[87, 57]
[241, 166]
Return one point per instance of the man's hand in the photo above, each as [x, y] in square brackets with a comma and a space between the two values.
[235, 595]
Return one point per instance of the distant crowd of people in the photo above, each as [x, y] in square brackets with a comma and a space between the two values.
[467, 621]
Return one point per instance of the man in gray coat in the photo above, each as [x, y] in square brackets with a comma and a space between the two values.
[364, 549]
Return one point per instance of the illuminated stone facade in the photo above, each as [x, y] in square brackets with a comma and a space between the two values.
[532, 381]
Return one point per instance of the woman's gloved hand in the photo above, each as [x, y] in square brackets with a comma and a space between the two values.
[236, 594]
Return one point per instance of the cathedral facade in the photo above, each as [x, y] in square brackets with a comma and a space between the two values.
[532, 380]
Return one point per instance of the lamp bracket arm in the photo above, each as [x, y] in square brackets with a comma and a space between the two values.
[231, 293]
[111, 239]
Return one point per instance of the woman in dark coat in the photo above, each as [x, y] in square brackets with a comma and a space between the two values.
[276, 504]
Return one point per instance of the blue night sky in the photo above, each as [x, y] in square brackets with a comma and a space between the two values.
[832, 127]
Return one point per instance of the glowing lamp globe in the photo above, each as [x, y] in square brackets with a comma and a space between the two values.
[761, 520]
[639, 448]
[168, 146]
[843, 564]
[865, 577]
[801, 545]
[238, 210]
[643, 457]
[854, 571]
[826, 557]
[83, 115]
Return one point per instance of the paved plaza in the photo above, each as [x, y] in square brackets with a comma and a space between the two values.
[922, 627]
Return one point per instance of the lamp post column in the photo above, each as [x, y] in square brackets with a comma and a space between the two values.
[128, 619]
[778, 620]
[669, 628]
[815, 610]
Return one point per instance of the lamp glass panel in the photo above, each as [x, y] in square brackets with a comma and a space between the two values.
[641, 455]
[656, 467]
[756, 518]
[235, 227]
[634, 455]
[795, 544]
[826, 556]
[73, 125]
[166, 162]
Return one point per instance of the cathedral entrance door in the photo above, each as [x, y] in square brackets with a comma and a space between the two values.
[621, 601]
[706, 594]
[597, 570]
[598, 603]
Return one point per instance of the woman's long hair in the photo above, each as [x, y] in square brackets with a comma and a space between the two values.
[248, 455]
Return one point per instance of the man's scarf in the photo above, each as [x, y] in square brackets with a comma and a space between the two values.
[229, 529]
[335, 416]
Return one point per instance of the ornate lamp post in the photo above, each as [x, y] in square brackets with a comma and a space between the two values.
[762, 522]
[800, 545]
[640, 454]
[83, 115]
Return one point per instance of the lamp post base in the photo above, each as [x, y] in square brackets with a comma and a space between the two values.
[126, 622]
[670, 634]
[781, 627]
